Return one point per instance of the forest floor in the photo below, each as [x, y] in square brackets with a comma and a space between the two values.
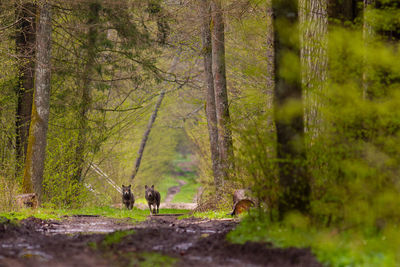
[159, 241]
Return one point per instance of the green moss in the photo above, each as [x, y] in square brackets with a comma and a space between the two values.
[148, 259]
[27, 183]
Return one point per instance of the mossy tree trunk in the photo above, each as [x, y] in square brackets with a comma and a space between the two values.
[34, 164]
[225, 144]
[288, 112]
[211, 114]
[25, 48]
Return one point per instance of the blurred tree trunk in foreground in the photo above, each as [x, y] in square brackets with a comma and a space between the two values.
[293, 176]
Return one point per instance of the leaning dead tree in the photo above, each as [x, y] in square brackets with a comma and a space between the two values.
[147, 133]
[151, 122]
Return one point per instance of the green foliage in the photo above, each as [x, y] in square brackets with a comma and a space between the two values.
[150, 259]
[147, 259]
[332, 246]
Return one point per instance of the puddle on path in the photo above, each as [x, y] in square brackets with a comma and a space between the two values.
[84, 225]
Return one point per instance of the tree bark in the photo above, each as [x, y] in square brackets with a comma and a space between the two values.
[270, 77]
[25, 48]
[288, 112]
[314, 27]
[85, 88]
[225, 144]
[211, 113]
[34, 164]
[270, 54]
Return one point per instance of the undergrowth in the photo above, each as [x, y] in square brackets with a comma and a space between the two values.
[331, 246]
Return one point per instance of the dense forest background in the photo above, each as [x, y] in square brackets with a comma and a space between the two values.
[297, 101]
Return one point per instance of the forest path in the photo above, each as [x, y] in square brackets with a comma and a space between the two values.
[172, 191]
[159, 241]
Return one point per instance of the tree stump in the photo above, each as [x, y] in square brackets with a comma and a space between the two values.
[27, 200]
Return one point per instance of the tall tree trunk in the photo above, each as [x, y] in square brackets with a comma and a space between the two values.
[34, 164]
[25, 47]
[211, 114]
[314, 27]
[293, 176]
[85, 88]
[270, 75]
[270, 53]
[225, 144]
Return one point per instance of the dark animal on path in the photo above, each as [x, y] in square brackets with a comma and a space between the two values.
[127, 197]
[153, 199]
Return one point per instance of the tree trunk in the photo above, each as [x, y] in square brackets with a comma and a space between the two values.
[314, 27]
[293, 176]
[25, 48]
[270, 76]
[270, 54]
[85, 87]
[225, 144]
[34, 164]
[211, 113]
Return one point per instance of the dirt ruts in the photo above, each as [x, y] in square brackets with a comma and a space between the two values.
[172, 191]
[77, 241]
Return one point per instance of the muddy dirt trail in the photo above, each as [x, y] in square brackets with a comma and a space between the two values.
[83, 241]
